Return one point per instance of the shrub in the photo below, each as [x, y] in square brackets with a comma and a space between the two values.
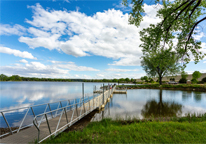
[172, 79]
[204, 79]
[196, 75]
[194, 81]
[183, 80]
[151, 80]
[184, 74]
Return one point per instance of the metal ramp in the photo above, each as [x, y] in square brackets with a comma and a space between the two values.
[53, 122]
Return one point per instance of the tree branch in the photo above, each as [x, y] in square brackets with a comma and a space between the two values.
[173, 11]
[198, 3]
[190, 34]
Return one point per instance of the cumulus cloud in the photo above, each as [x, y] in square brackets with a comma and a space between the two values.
[105, 33]
[112, 75]
[122, 70]
[23, 61]
[15, 52]
[38, 69]
[6, 29]
[74, 67]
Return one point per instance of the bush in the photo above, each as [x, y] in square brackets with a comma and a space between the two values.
[183, 80]
[204, 80]
[194, 81]
[172, 79]
[196, 75]
[151, 80]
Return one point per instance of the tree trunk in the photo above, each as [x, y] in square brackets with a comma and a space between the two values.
[160, 79]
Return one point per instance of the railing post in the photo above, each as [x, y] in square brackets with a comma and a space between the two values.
[50, 110]
[70, 105]
[23, 120]
[33, 113]
[89, 103]
[37, 129]
[76, 109]
[59, 120]
[61, 103]
[66, 114]
[48, 123]
[83, 90]
[7, 122]
[93, 101]
[56, 111]
[42, 115]
[103, 95]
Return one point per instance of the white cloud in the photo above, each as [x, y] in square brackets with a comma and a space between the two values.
[37, 69]
[105, 33]
[204, 62]
[74, 67]
[67, 1]
[23, 61]
[15, 52]
[112, 75]
[6, 29]
[199, 36]
[122, 70]
[77, 76]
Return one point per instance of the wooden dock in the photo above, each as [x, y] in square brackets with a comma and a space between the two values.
[119, 92]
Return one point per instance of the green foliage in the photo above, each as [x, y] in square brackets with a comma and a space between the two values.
[127, 79]
[184, 75]
[159, 64]
[180, 20]
[183, 80]
[196, 75]
[114, 80]
[3, 77]
[15, 78]
[172, 79]
[194, 81]
[204, 79]
[157, 86]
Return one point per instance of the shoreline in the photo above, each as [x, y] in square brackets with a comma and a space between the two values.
[185, 87]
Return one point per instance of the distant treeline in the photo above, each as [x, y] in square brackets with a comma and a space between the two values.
[19, 78]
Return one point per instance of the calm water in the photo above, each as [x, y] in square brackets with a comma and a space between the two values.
[137, 103]
[144, 103]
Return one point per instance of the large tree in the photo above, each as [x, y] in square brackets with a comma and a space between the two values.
[181, 20]
[160, 64]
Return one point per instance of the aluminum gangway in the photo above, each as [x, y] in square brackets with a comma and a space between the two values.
[52, 122]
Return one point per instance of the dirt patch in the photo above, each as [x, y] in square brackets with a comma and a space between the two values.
[81, 124]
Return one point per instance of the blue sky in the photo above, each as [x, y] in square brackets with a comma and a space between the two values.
[74, 39]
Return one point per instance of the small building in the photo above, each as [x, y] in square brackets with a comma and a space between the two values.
[188, 82]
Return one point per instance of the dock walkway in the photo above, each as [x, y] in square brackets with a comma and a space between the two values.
[46, 124]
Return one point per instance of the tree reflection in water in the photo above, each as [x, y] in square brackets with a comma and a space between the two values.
[197, 96]
[161, 109]
[186, 95]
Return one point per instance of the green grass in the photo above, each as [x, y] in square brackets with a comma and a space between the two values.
[108, 131]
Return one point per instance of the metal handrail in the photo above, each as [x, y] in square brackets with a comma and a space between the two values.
[34, 105]
[28, 108]
[93, 101]
[82, 101]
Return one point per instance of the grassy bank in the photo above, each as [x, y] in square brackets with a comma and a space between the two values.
[198, 87]
[182, 130]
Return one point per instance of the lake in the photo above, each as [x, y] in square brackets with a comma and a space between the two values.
[139, 103]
